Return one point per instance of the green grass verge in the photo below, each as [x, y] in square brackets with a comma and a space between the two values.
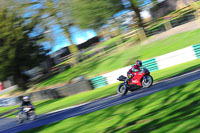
[111, 43]
[174, 110]
[55, 104]
[6, 109]
[97, 65]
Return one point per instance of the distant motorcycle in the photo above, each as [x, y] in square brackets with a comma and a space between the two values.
[139, 80]
[25, 113]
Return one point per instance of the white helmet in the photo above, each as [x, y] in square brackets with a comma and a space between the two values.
[26, 98]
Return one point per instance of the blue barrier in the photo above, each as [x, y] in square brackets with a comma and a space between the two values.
[98, 82]
[151, 64]
[197, 50]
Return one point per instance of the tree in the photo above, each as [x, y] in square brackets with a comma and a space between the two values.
[19, 48]
[94, 13]
[155, 2]
[64, 19]
[51, 12]
[134, 5]
[57, 12]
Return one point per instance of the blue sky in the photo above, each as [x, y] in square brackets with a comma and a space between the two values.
[78, 35]
[58, 37]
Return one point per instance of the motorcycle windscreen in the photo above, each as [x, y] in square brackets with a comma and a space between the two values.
[121, 78]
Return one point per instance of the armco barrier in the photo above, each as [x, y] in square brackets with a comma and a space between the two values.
[98, 82]
[197, 50]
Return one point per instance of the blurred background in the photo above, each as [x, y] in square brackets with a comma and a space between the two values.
[64, 53]
[48, 43]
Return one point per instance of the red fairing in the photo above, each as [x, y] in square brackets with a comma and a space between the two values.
[136, 79]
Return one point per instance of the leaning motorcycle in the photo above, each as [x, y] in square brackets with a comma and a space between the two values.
[132, 83]
[25, 113]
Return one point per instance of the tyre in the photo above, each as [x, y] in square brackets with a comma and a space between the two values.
[122, 89]
[20, 117]
[32, 116]
[147, 81]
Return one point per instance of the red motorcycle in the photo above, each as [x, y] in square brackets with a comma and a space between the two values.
[132, 83]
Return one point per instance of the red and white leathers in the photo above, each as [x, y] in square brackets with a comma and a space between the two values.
[134, 69]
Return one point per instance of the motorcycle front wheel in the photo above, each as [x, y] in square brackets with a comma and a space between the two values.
[20, 117]
[147, 81]
[122, 89]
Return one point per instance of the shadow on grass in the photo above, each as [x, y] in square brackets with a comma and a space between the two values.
[185, 113]
[165, 112]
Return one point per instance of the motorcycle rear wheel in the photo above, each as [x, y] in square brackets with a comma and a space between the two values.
[122, 90]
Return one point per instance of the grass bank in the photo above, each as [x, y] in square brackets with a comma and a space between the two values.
[173, 110]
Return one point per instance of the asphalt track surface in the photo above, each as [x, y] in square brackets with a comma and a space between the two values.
[11, 125]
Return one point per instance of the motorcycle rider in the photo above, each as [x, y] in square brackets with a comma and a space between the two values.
[134, 68]
[27, 103]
